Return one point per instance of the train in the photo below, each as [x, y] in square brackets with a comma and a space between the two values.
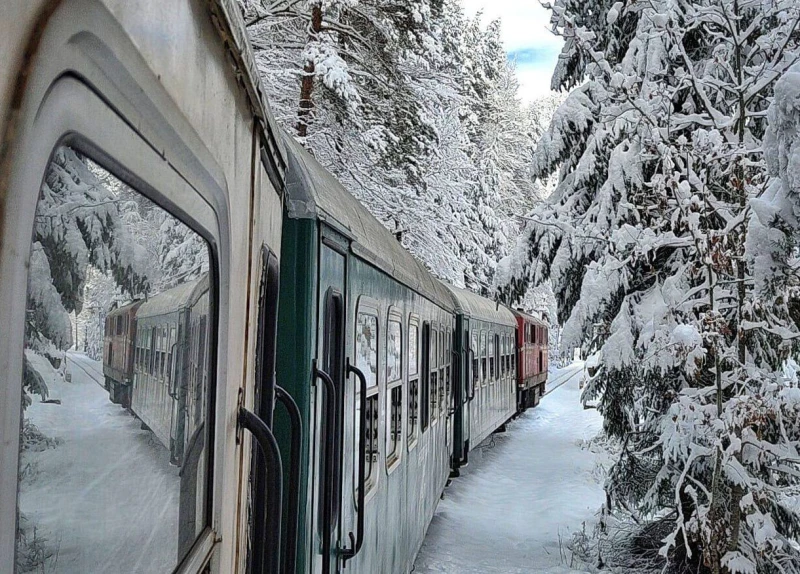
[317, 387]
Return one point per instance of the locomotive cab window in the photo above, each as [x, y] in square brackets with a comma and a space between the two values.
[114, 463]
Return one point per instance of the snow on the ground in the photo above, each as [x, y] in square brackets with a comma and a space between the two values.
[105, 498]
[516, 505]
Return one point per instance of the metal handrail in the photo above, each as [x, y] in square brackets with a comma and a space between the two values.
[293, 514]
[356, 541]
[274, 500]
[330, 452]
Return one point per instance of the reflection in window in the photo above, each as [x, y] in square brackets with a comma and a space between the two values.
[113, 457]
[483, 357]
[413, 380]
[434, 380]
[492, 373]
[367, 347]
[394, 372]
[475, 357]
[395, 424]
[394, 338]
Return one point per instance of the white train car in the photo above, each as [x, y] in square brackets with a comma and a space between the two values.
[163, 98]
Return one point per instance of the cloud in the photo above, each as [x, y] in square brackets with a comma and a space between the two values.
[526, 36]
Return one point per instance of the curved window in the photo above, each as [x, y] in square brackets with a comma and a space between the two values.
[114, 445]
[434, 380]
[475, 352]
[394, 393]
[367, 362]
[413, 380]
[483, 358]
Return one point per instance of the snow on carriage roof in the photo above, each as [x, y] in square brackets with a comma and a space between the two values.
[312, 192]
[477, 307]
[174, 299]
[529, 317]
[124, 308]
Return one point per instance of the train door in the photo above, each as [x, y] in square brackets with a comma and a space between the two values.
[265, 527]
[327, 405]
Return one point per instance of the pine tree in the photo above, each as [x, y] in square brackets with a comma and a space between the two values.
[658, 150]
[77, 226]
[413, 107]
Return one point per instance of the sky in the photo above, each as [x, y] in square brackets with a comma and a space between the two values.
[525, 32]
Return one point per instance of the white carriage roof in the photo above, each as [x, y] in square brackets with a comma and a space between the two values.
[233, 32]
[313, 193]
[476, 307]
[171, 300]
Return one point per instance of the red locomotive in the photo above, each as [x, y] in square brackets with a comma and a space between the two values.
[118, 345]
[532, 362]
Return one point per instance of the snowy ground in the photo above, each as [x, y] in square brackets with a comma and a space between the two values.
[105, 499]
[516, 505]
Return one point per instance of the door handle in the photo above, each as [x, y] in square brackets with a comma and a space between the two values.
[269, 447]
[472, 376]
[356, 541]
[293, 513]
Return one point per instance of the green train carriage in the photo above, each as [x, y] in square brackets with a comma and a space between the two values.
[357, 311]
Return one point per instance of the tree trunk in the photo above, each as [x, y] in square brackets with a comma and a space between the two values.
[307, 85]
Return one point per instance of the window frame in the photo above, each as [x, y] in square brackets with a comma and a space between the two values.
[412, 435]
[367, 306]
[433, 369]
[393, 457]
[484, 359]
[162, 158]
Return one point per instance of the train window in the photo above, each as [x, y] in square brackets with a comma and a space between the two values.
[367, 362]
[475, 358]
[367, 346]
[113, 470]
[491, 357]
[394, 395]
[413, 380]
[509, 346]
[502, 356]
[448, 360]
[426, 378]
[394, 430]
[434, 384]
[394, 356]
[497, 353]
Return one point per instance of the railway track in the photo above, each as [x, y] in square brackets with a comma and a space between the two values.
[74, 360]
[565, 381]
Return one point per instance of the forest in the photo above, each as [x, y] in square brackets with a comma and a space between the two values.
[650, 207]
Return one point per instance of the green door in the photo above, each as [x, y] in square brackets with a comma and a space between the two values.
[327, 405]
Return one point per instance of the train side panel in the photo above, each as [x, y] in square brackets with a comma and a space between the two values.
[162, 95]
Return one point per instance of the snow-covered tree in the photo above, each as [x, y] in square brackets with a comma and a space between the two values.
[77, 227]
[413, 107]
[658, 151]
